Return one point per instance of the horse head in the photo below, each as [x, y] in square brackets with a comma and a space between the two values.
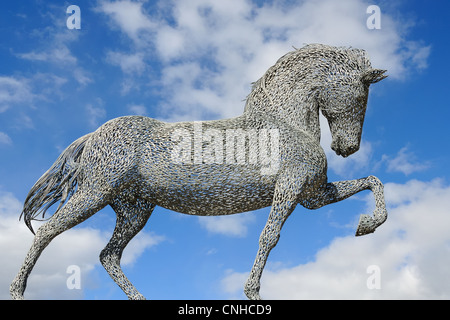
[343, 101]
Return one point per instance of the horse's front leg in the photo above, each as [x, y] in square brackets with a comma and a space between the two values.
[282, 206]
[340, 190]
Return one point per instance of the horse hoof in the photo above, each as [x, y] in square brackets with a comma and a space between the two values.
[16, 295]
[136, 297]
[15, 291]
[366, 225]
[252, 294]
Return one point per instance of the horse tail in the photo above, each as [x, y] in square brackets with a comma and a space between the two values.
[57, 184]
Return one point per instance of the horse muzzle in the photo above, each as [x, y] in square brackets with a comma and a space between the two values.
[342, 150]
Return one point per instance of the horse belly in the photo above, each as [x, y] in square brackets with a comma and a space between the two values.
[208, 190]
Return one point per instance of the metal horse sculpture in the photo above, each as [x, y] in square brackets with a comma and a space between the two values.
[268, 156]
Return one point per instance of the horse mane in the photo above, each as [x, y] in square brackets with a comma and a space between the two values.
[319, 64]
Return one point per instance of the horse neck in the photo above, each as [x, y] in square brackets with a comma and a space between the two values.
[298, 112]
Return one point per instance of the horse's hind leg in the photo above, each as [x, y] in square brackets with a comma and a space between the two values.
[78, 208]
[131, 218]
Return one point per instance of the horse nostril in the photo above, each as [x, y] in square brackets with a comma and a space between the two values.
[353, 149]
[335, 145]
[338, 151]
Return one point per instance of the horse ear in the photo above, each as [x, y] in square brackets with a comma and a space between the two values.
[373, 76]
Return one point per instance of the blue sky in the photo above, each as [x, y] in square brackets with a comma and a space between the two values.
[195, 60]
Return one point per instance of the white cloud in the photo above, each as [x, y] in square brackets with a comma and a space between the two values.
[138, 245]
[95, 112]
[417, 54]
[411, 251]
[53, 44]
[18, 95]
[405, 161]
[212, 50]
[53, 47]
[60, 55]
[5, 139]
[129, 16]
[137, 109]
[129, 63]
[82, 76]
[133, 67]
[14, 91]
[9, 204]
[232, 225]
[80, 246]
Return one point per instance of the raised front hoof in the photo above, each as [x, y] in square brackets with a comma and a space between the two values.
[366, 225]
